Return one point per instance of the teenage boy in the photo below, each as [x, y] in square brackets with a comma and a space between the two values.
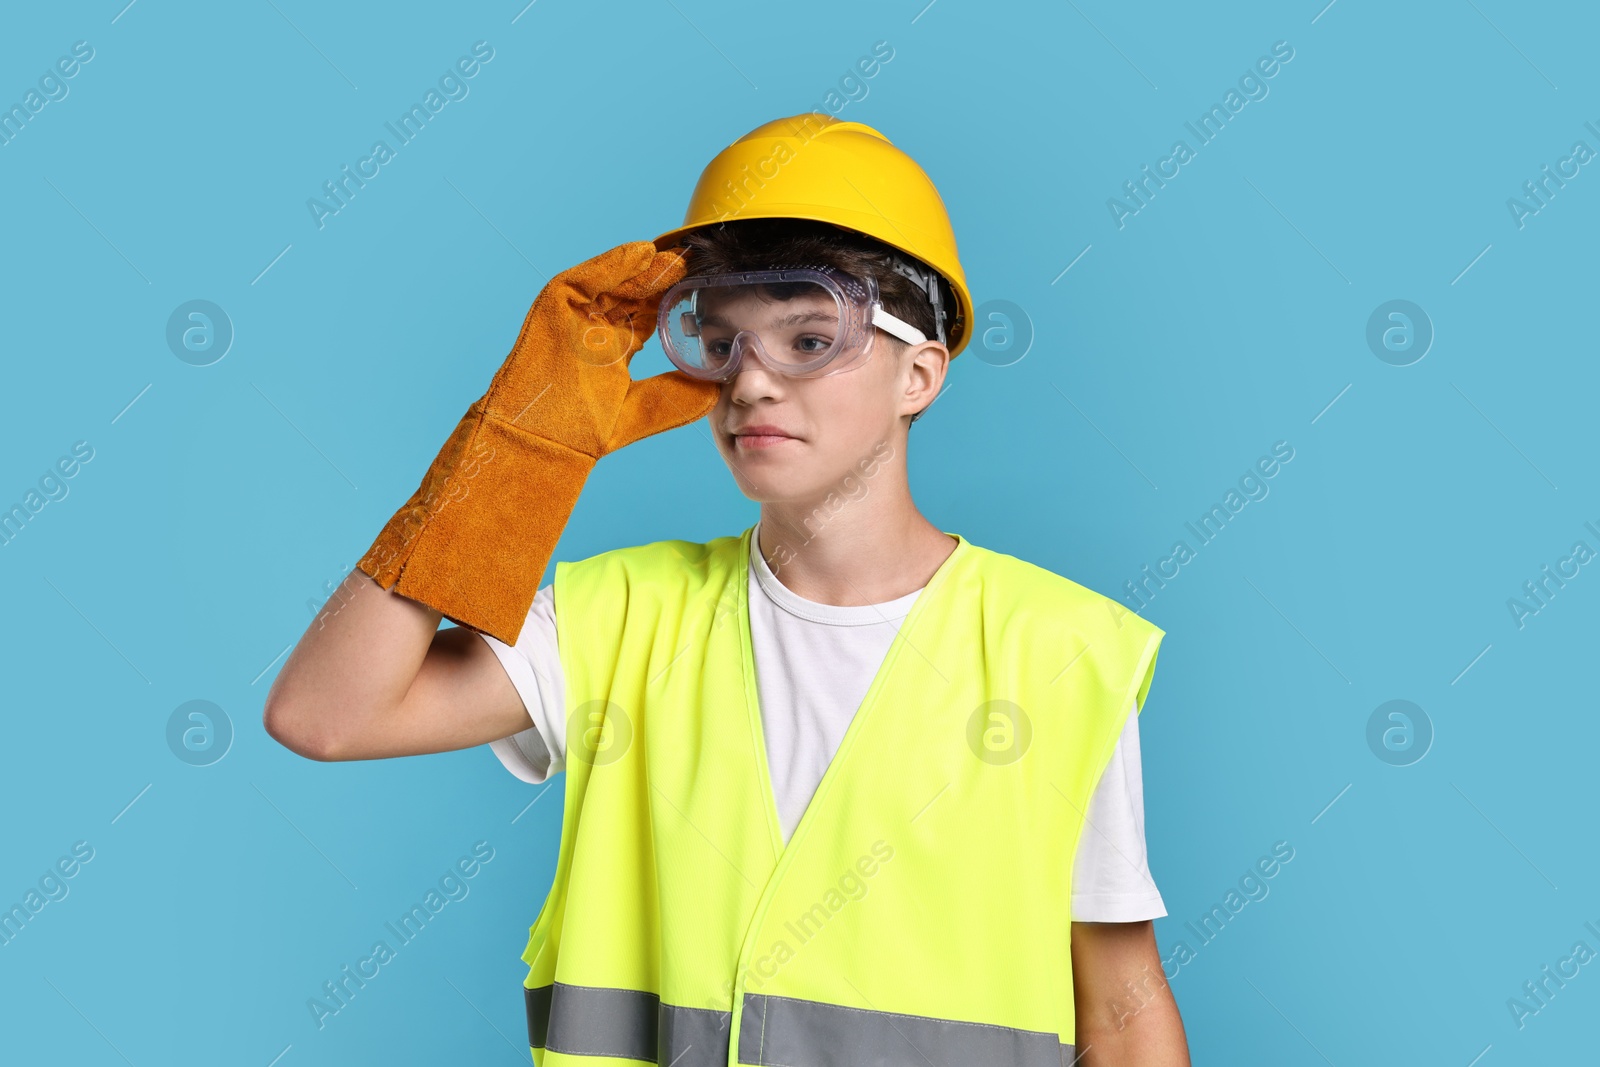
[843, 788]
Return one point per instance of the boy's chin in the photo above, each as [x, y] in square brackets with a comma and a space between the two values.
[778, 487]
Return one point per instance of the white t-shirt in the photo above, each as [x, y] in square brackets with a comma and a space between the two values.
[814, 663]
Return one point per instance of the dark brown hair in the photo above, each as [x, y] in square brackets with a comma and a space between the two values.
[766, 244]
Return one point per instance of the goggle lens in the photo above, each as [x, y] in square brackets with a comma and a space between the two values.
[798, 321]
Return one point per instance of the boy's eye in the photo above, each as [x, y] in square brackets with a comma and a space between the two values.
[718, 350]
[809, 344]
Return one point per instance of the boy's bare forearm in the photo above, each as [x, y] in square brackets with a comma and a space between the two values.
[355, 661]
[1126, 1014]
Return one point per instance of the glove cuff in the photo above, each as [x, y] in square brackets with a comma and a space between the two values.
[473, 541]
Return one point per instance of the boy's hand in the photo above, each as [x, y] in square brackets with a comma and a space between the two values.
[473, 541]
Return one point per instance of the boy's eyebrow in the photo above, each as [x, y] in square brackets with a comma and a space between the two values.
[794, 319]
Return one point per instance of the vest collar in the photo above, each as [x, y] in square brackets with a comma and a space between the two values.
[929, 600]
[832, 614]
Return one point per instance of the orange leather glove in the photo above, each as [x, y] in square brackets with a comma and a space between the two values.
[474, 539]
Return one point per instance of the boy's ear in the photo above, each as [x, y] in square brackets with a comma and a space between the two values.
[936, 355]
[928, 363]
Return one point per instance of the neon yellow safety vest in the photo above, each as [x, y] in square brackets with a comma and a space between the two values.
[921, 911]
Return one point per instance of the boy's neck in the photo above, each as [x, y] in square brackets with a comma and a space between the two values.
[858, 555]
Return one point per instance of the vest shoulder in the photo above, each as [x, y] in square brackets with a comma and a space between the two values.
[658, 557]
[1029, 584]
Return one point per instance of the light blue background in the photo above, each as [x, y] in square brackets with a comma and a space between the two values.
[1227, 315]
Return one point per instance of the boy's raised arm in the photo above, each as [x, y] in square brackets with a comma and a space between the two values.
[373, 675]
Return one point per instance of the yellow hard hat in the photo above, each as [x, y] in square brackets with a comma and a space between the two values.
[814, 166]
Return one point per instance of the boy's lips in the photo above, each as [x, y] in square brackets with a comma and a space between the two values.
[760, 435]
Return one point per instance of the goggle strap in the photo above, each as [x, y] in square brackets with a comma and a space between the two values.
[896, 326]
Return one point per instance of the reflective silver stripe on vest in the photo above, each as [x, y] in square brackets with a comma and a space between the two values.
[628, 1023]
[807, 1033]
[774, 1032]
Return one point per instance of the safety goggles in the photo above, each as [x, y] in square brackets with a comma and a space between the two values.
[804, 322]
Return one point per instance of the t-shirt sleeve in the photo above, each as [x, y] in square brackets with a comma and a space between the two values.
[1111, 880]
[534, 667]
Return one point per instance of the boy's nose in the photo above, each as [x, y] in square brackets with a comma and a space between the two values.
[747, 351]
[753, 375]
